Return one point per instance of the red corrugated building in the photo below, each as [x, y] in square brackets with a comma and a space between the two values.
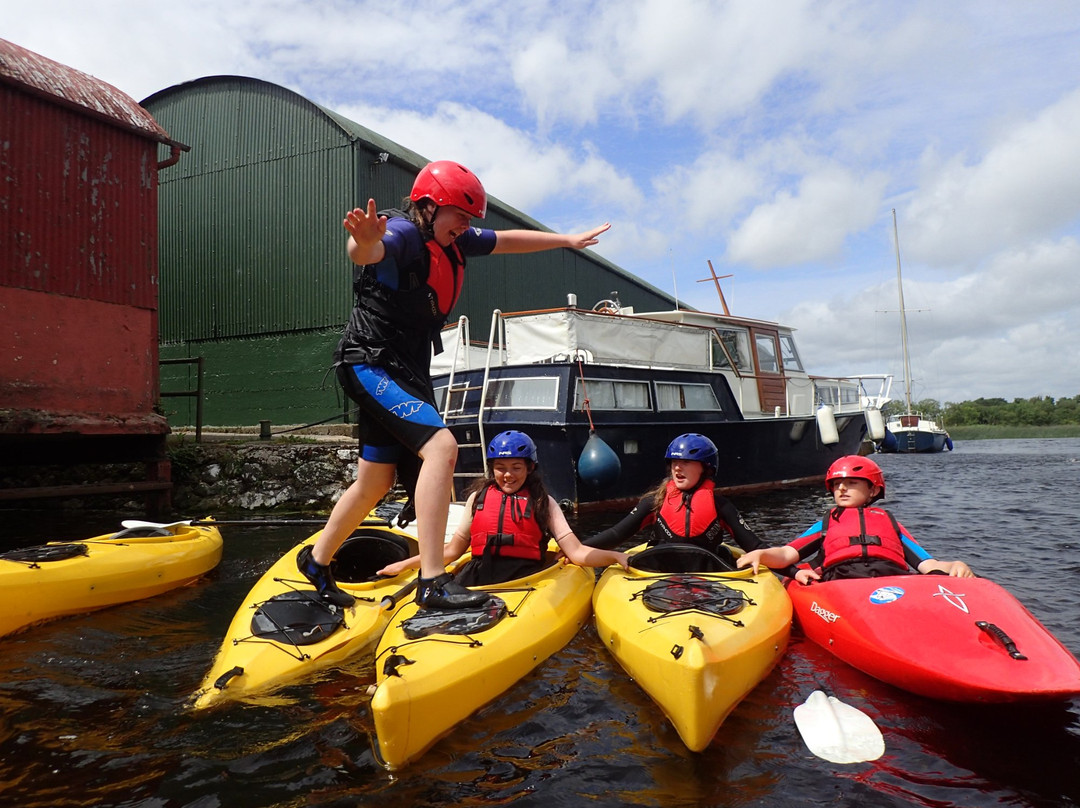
[78, 272]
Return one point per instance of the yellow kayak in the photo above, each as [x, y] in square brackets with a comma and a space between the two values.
[696, 642]
[283, 632]
[64, 578]
[431, 677]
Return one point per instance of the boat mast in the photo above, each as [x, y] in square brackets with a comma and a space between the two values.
[903, 317]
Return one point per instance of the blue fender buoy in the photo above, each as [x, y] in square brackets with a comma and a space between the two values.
[889, 444]
[598, 464]
[948, 443]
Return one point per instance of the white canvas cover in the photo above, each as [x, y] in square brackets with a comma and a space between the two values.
[605, 339]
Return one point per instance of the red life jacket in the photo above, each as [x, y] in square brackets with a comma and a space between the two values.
[862, 533]
[690, 519]
[505, 525]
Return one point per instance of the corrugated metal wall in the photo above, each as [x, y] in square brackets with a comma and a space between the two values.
[60, 231]
[252, 246]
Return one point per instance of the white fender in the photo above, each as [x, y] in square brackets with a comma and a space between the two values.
[826, 424]
[875, 424]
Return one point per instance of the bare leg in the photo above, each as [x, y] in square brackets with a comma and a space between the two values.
[434, 488]
[373, 480]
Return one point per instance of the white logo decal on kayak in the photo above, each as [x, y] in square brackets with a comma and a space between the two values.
[953, 598]
[380, 388]
[886, 594]
[824, 614]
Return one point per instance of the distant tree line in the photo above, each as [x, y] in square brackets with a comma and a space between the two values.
[1038, 411]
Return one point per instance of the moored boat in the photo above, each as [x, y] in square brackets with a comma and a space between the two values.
[955, 639]
[283, 632]
[67, 578]
[909, 432]
[436, 668]
[601, 390]
[697, 642]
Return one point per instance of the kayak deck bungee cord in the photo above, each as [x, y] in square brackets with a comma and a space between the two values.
[697, 640]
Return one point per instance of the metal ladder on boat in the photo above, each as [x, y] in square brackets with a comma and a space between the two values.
[497, 335]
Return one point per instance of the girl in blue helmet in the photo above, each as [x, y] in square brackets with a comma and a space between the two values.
[685, 507]
[509, 517]
[408, 275]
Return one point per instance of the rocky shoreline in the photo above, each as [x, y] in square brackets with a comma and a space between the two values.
[261, 476]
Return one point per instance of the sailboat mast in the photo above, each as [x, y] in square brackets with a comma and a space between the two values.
[903, 317]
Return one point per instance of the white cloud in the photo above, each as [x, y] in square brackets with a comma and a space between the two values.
[811, 224]
[1026, 186]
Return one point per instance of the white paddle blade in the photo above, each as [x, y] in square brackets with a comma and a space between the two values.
[838, 732]
[138, 523]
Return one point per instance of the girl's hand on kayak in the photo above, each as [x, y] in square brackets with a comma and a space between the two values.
[807, 577]
[751, 558]
[393, 569]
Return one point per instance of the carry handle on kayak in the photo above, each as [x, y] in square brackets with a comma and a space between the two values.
[1001, 637]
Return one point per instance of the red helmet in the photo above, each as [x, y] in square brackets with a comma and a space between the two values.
[862, 468]
[445, 182]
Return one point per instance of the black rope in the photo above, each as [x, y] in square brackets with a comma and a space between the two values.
[353, 411]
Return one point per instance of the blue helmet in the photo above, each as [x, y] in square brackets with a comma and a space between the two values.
[693, 446]
[512, 444]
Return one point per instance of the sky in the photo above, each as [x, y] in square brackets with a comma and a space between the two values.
[774, 138]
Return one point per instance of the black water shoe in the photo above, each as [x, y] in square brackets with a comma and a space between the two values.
[320, 577]
[443, 592]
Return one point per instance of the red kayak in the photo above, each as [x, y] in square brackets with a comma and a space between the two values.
[957, 639]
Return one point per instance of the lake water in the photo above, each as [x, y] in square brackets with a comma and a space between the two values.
[92, 706]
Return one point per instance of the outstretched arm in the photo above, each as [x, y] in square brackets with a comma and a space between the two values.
[771, 557]
[578, 553]
[366, 229]
[452, 550]
[528, 241]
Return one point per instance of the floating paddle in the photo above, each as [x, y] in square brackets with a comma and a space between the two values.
[838, 732]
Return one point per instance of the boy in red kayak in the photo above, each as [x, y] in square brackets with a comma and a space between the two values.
[856, 540]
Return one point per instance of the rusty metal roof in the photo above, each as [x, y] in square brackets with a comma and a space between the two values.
[41, 76]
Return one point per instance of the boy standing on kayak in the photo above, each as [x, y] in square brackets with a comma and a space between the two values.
[508, 519]
[857, 541]
[410, 272]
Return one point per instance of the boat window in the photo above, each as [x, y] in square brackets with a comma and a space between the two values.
[766, 353]
[837, 392]
[737, 343]
[788, 354]
[675, 396]
[607, 394]
[538, 393]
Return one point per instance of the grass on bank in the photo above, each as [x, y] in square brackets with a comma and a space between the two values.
[984, 432]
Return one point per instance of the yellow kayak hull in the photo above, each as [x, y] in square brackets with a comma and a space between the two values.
[696, 666]
[443, 678]
[112, 571]
[251, 664]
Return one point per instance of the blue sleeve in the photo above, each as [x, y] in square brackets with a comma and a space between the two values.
[403, 246]
[913, 552]
[476, 241]
[810, 541]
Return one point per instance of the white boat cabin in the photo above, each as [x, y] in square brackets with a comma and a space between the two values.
[759, 359]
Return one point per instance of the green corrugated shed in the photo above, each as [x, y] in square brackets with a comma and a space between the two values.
[253, 272]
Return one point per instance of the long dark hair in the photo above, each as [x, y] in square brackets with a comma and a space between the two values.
[419, 215]
[659, 491]
[533, 485]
